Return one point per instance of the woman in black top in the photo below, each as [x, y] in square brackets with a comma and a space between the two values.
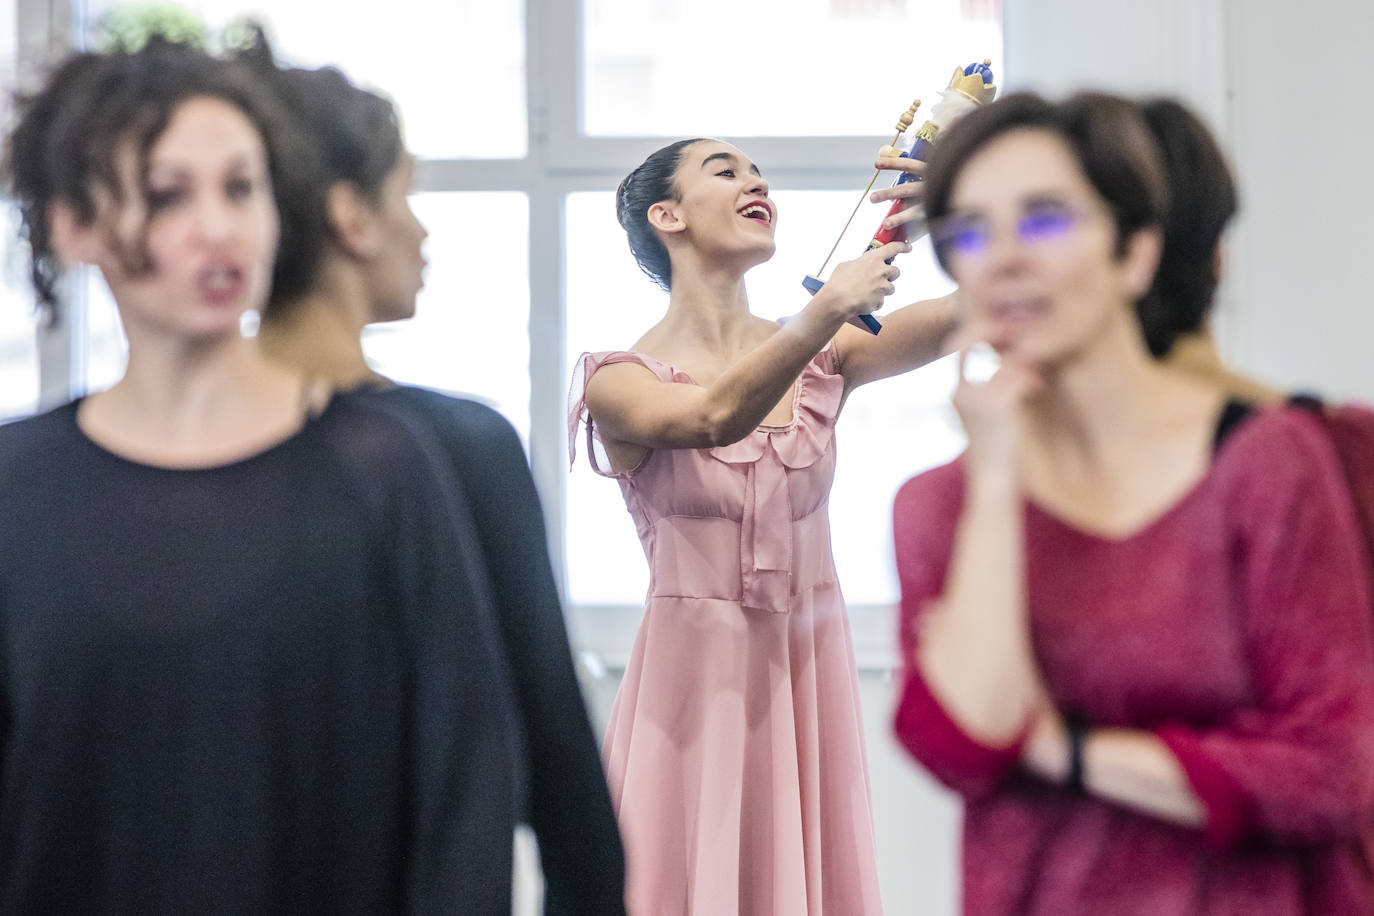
[371, 271]
[246, 647]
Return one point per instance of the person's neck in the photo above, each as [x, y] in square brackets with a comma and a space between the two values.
[710, 309]
[1101, 402]
[321, 332]
[179, 386]
[1196, 354]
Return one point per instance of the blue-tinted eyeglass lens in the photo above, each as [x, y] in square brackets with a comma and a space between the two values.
[1044, 223]
[965, 237]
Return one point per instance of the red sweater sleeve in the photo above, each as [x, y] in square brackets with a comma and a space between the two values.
[924, 518]
[1351, 428]
[1298, 766]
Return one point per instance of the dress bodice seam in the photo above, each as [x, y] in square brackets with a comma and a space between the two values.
[737, 521]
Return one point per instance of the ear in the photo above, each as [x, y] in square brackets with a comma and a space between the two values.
[1218, 262]
[352, 220]
[73, 241]
[666, 217]
[1141, 261]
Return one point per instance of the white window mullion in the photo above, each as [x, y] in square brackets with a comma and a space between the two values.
[551, 70]
[548, 372]
[43, 32]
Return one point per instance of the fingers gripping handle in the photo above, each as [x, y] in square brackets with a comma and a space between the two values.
[867, 322]
[969, 87]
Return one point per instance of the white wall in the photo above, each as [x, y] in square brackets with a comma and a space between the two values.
[1148, 46]
[1301, 134]
[1281, 83]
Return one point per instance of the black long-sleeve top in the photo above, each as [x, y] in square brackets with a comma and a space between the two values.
[569, 806]
[271, 686]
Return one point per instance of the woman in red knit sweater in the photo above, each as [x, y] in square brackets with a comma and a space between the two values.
[1141, 651]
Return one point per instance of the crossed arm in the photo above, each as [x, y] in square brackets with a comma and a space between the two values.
[1293, 765]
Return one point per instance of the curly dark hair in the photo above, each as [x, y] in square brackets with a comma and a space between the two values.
[67, 135]
[654, 180]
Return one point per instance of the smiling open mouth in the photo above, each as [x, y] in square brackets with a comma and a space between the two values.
[757, 211]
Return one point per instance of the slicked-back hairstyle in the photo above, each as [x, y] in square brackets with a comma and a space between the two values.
[355, 133]
[653, 181]
[1108, 137]
[1204, 198]
[68, 136]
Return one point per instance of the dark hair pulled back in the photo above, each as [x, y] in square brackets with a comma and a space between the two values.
[356, 131]
[1204, 201]
[653, 181]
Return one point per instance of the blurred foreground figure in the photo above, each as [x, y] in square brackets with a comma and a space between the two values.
[248, 651]
[371, 269]
[1137, 636]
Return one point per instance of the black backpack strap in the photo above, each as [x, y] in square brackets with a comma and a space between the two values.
[1232, 416]
[1308, 402]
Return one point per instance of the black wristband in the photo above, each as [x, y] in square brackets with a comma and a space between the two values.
[1076, 726]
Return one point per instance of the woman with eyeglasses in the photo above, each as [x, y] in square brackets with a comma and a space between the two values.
[1138, 646]
[735, 752]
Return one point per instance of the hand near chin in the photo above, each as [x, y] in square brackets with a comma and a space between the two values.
[910, 192]
[992, 410]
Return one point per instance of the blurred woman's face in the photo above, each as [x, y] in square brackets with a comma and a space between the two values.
[396, 274]
[1034, 249]
[187, 254]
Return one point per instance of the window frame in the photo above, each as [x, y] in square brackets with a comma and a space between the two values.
[559, 160]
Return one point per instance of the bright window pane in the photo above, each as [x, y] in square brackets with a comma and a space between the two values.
[18, 355]
[610, 304]
[773, 67]
[18, 332]
[888, 431]
[416, 52]
[18, 320]
[471, 330]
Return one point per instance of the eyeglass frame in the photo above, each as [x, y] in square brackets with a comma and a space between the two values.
[1077, 212]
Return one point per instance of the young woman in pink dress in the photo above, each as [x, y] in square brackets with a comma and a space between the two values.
[735, 752]
[1139, 645]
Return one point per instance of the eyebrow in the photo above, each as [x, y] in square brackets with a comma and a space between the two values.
[730, 158]
[239, 161]
[1032, 199]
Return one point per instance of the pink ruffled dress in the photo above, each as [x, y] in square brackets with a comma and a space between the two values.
[735, 750]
